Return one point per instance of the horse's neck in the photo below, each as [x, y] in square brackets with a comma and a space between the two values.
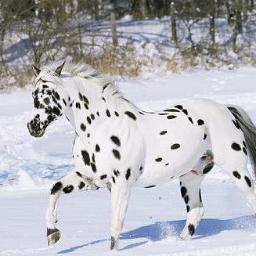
[107, 111]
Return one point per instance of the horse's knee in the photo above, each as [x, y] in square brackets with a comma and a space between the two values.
[56, 188]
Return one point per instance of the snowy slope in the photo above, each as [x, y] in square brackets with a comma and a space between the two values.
[28, 167]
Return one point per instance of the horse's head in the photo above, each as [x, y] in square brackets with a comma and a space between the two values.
[49, 100]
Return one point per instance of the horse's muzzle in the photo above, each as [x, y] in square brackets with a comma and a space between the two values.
[35, 130]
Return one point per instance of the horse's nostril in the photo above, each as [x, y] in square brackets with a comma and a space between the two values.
[28, 126]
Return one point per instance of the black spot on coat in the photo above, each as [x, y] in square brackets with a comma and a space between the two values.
[186, 199]
[116, 154]
[86, 157]
[97, 148]
[89, 121]
[171, 110]
[248, 181]
[150, 186]
[57, 186]
[236, 146]
[200, 122]
[104, 176]
[171, 117]
[128, 174]
[175, 146]
[93, 166]
[237, 174]
[79, 174]
[179, 107]
[68, 189]
[159, 159]
[116, 173]
[83, 127]
[116, 140]
[208, 167]
[191, 229]
[108, 113]
[183, 191]
[131, 115]
[81, 185]
[185, 111]
[190, 120]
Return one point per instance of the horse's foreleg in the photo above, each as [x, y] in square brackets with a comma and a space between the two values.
[120, 191]
[67, 184]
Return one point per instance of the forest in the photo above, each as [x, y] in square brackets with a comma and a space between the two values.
[208, 33]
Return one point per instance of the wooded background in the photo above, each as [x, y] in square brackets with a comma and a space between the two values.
[52, 29]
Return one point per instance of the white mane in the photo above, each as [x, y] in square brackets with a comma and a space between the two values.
[109, 87]
[82, 70]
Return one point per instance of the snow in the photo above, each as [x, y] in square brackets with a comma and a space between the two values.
[29, 166]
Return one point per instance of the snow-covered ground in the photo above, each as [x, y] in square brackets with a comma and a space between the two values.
[28, 166]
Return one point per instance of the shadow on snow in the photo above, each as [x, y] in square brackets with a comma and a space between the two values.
[161, 230]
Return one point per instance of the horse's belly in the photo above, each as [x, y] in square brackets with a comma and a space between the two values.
[172, 155]
[160, 175]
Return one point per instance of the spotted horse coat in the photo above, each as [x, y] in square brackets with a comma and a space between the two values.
[118, 145]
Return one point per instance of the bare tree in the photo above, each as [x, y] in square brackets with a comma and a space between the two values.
[212, 12]
[113, 22]
[174, 36]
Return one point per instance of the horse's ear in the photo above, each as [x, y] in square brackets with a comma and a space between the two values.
[59, 69]
[36, 70]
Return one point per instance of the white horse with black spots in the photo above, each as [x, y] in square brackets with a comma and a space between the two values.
[117, 145]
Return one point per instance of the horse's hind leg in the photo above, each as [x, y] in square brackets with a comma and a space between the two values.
[242, 178]
[190, 190]
[232, 158]
[69, 183]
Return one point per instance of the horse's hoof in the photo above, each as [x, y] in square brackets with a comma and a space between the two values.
[113, 243]
[185, 235]
[53, 236]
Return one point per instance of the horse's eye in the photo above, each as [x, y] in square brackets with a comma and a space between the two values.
[47, 101]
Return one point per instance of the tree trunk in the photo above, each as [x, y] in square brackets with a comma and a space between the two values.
[252, 4]
[239, 22]
[96, 9]
[229, 14]
[174, 30]
[143, 8]
[245, 10]
[113, 23]
[212, 21]
[174, 36]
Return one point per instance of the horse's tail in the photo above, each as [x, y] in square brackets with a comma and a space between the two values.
[249, 130]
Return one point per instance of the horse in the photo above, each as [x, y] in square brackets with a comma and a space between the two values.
[117, 145]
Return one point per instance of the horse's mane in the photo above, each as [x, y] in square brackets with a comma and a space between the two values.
[87, 72]
[81, 70]
[84, 71]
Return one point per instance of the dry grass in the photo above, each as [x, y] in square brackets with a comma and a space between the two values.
[123, 61]
[119, 60]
